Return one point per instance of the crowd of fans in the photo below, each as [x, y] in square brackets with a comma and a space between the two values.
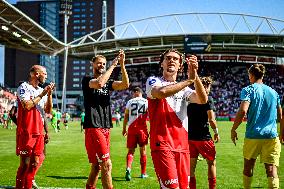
[7, 100]
[229, 78]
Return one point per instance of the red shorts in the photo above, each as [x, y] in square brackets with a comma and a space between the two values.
[97, 142]
[139, 137]
[27, 145]
[172, 168]
[206, 148]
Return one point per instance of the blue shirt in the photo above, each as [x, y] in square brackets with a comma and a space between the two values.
[262, 112]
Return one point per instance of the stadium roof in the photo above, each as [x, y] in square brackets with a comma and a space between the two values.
[18, 31]
[222, 32]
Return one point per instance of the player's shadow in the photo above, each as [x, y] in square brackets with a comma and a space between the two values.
[6, 187]
[120, 179]
[63, 177]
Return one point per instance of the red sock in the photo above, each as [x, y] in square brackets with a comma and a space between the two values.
[143, 162]
[20, 177]
[212, 183]
[30, 176]
[129, 160]
[192, 183]
[41, 158]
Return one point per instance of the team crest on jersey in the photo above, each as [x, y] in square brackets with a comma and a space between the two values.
[22, 91]
[152, 81]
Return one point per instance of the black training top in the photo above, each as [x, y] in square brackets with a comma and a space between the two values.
[198, 125]
[97, 105]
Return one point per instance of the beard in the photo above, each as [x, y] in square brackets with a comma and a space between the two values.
[40, 81]
[100, 71]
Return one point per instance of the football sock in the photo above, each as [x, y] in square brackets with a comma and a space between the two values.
[192, 183]
[273, 182]
[247, 181]
[90, 186]
[41, 158]
[143, 162]
[129, 160]
[212, 183]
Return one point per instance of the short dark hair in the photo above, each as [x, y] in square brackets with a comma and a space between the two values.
[96, 57]
[257, 70]
[162, 56]
[136, 89]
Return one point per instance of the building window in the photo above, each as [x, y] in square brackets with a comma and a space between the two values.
[76, 73]
[77, 10]
[76, 79]
[83, 15]
[76, 68]
[76, 21]
[77, 15]
[83, 73]
[76, 62]
[83, 68]
[76, 4]
[76, 85]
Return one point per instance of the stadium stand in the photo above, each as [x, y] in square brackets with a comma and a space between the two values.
[229, 77]
[7, 99]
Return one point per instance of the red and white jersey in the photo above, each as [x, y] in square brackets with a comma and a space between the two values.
[168, 118]
[30, 122]
[138, 112]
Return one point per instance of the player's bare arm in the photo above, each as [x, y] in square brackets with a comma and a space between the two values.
[125, 121]
[28, 104]
[213, 124]
[124, 83]
[281, 118]
[199, 96]
[238, 120]
[48, 104]
[161, 92]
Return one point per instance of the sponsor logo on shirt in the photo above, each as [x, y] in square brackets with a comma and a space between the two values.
[22, 91]
[24, 152]
[171, 181]
[152, 81]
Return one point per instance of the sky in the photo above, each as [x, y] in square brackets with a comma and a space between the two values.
[128, 10]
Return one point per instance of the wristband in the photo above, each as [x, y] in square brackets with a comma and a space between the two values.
[215, 131]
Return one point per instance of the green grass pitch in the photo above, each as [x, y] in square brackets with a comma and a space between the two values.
[66, 164]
